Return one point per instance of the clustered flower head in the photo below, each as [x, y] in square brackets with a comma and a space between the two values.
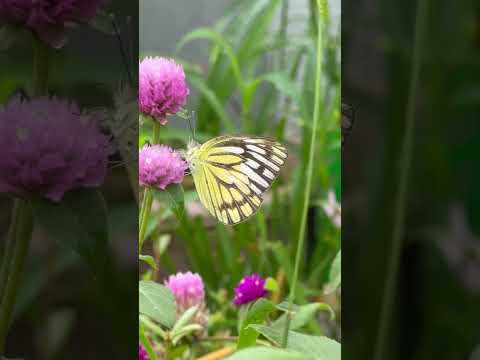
[250, 288]
[48, 148]
[48, 18]
[142, 354]
[189, 291]
[160, 166]
[163, 89]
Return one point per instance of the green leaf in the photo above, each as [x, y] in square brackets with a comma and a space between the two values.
[149, 260]
[271, 284]
[212, 99]
[78, 222]
[301, 315]
[157, 302]
[146, 343]
[172, 198]
[8, 35]
[315, 347]
[257, 314]
[266, 353]
[103, 22]
[335, 274]
[216, 38]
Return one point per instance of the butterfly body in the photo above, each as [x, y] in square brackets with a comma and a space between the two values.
[231, 174]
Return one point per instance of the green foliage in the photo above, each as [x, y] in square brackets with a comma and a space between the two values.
[78, 222]
[157, 302]
[256, 83]
[265, 353]
[256, 314]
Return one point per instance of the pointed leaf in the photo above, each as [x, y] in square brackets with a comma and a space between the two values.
[157, 302]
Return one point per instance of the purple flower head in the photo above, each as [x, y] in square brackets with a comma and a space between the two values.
[189, 291]
[160, 166]
[163, 89]
[142, 353]
[48, 19]
[49, 147]
[250, 288]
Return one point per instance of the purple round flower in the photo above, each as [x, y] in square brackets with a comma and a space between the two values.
[49, 147]
[189, 291]
[48, 18]
[160, 166]
[250, 288]
[163, 89]
[142, 353]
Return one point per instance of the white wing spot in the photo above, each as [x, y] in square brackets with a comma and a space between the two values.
[268, 174]
[256, 149]
[255, 189]
[227, 149]
[253, 164]
[254, 141]
[265, 161]
[252, 175]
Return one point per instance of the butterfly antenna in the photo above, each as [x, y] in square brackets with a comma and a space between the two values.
[192, 127]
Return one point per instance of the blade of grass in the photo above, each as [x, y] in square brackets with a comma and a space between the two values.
[308, 185]
[398, 229]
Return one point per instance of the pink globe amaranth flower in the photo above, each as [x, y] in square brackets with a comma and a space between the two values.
[48, 148]
[189, 290]
[249, 289]
[142, 353]
[160, 166]
[163, 89]
[48, 19]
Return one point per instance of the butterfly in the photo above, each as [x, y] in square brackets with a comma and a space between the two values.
[232, 173]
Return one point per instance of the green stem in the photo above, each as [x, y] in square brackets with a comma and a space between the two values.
[147, 197]
[40, 68]
[8, 250]
[23, 232]
[308, 186]
[401, 196]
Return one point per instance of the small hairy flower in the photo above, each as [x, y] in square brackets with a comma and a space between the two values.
[142, 353]
[333, 209]
[163, 89]
[250, 288]
[48, 19]
[189, 291]
[160, 166]
[48, 148]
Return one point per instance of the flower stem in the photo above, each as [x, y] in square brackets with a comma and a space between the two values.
[22, 228]
[308, 185]
[147, 197]
[8, 250]
[40, 68]
[405, 164]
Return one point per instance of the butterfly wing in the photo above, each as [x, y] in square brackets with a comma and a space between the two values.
[232, 174]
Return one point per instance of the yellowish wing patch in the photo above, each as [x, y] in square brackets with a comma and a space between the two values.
[232, 173]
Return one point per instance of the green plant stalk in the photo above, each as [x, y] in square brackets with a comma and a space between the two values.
[308, 186]
[22, 217]
[23, 233]
[401, 196]
[40, 68]
[147, 197]
[8, 250]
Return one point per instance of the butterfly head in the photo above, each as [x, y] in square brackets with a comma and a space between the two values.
[191, 153]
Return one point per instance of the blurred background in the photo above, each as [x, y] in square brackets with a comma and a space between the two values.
[63, 311]
[272, 43]
[437, 301]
